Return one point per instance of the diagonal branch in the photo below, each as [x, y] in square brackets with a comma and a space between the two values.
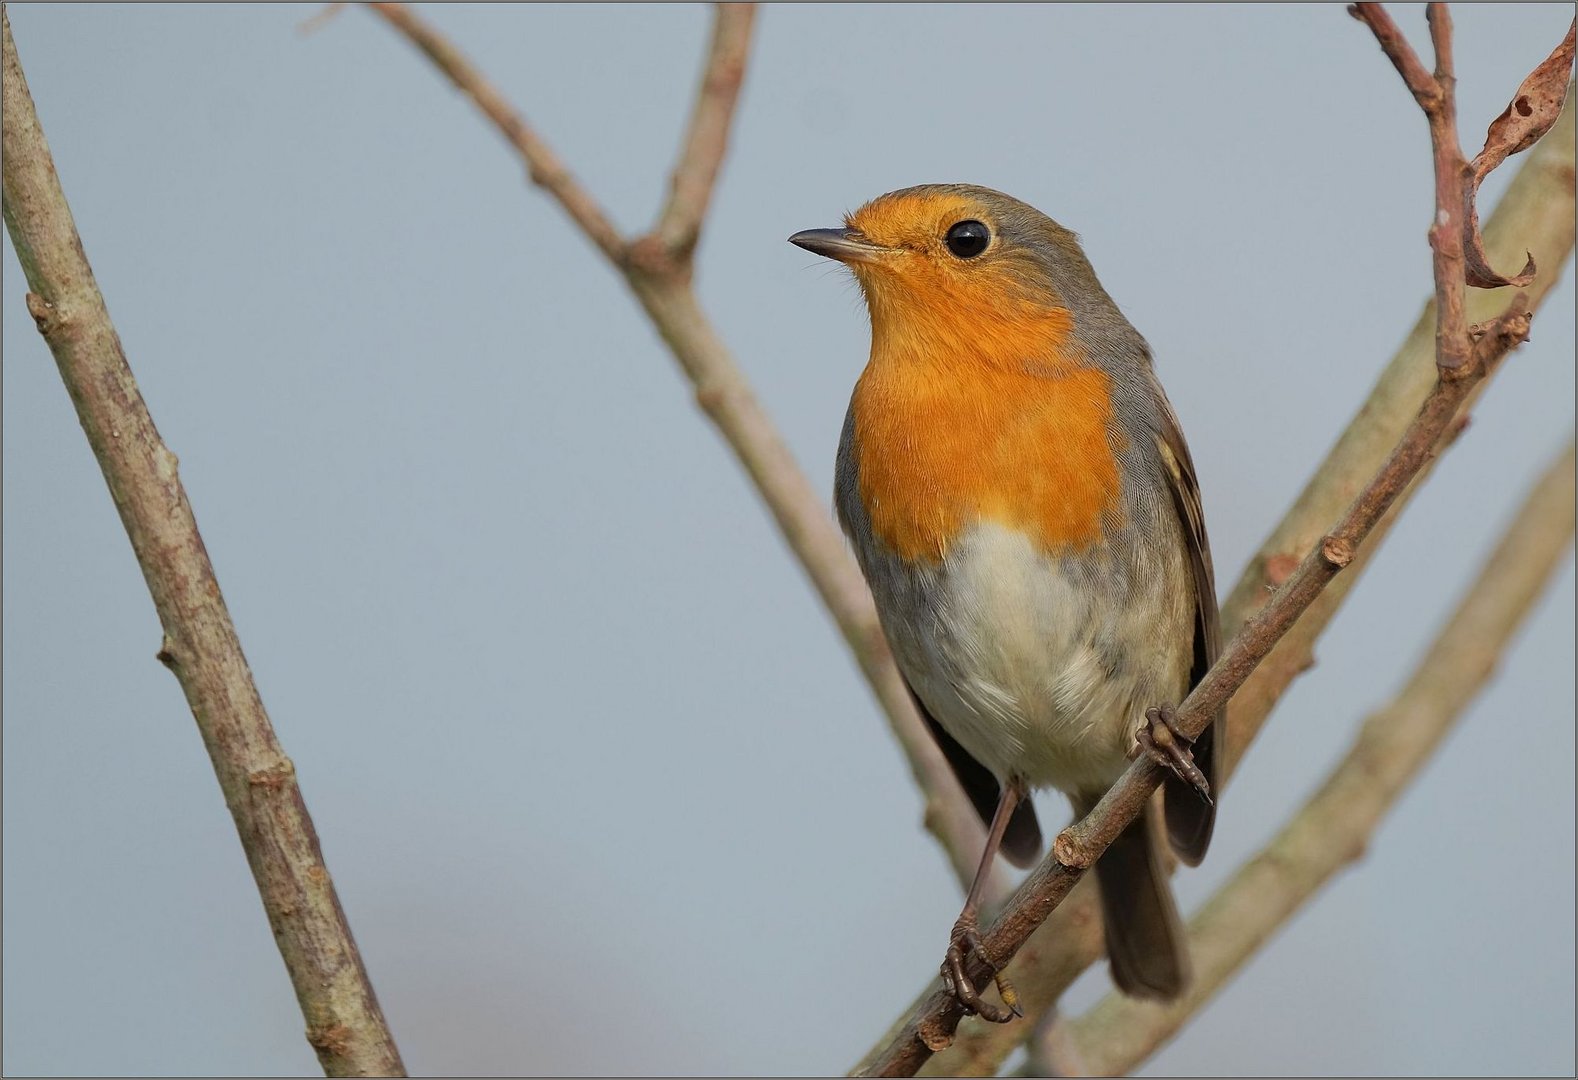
[707, 139]
[663, 287]
[1332, 829]
[344, 1023]
[542, 164]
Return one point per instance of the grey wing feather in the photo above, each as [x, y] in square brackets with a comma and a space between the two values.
[1189, 818]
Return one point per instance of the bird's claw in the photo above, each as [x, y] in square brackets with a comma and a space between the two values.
[965, 943]
[1168, 747]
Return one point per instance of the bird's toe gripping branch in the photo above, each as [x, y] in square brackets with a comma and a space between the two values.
[1169, 748]
[965, 943]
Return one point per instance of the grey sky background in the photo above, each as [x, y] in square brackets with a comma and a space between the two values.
[600, 787]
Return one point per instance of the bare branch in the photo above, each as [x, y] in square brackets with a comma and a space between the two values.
[542, 164]
[1415, 75]
[707, 140]
[344, 1023]
[319, 19]
[1439, 16]
[1332, 829]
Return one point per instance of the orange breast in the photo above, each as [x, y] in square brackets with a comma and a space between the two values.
[941, 446]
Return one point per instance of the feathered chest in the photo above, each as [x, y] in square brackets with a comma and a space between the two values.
[932, 452]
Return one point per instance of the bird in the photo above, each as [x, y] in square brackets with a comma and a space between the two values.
[1018, 493]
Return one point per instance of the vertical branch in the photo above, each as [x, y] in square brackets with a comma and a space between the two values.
[1452, 178]
[707, 139]
[344, 1023]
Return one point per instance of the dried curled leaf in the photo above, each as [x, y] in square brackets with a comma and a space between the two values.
[1477, 272]
[1531, 113]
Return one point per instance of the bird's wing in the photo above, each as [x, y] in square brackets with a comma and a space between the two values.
[1190, 818]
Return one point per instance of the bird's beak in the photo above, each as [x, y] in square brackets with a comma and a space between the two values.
[845, 245]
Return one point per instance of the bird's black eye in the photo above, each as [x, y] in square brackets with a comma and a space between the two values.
[968, 239]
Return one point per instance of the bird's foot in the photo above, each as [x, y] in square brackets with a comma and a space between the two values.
[965, 943]
[1160, 738]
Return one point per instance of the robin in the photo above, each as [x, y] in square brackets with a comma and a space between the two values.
[1020, 498]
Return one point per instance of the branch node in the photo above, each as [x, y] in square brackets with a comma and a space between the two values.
[1495, 339]
[649, 256]
[936, 1033]
[1337, 551]
[166, 653]
[1071, 852]
[274, 776]
[334, 1039]
[46, 316]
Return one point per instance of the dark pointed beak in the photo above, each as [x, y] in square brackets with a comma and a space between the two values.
[845, 245]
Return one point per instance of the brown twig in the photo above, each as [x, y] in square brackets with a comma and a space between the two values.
[1536, 212]
[319, 19]
[1415, 75]
[1461, 363]
[344, 1023]
[1332, 829]
[707, 139]
[663, 287]
[1438, 99]
[542, 164]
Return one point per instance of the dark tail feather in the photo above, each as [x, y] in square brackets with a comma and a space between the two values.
[1022, 840]
[1145, 940]
[1190, 818]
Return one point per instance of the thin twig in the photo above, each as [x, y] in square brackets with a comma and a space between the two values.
[707, 139]
[1451, 173]
[663, 287]
[1333, 828]
[319, 19]
[542, 164]
[344, 1023]
[1415, 75]
[1536, 212]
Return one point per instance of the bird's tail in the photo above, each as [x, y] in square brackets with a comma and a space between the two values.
[1145, 939]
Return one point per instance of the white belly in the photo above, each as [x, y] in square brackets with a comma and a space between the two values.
[1040, 667]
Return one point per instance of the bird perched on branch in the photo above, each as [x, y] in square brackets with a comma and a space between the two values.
[1022, 503]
